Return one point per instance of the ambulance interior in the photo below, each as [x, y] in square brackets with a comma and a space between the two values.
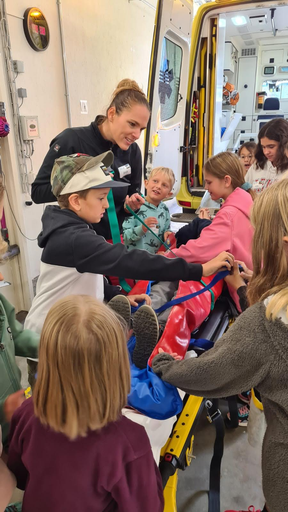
[240, 81]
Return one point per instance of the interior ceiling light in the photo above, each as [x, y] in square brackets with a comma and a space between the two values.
[239, 20]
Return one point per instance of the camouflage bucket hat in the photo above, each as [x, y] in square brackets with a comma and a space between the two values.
[78, 172]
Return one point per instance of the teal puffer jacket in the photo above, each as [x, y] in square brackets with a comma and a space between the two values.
[14, 340]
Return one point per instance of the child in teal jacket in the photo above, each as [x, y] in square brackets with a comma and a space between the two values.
[153, 212]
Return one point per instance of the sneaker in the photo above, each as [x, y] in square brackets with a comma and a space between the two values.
[243, 415]
[250, 509]
[245, 397]
[121, 306]
[146, 330]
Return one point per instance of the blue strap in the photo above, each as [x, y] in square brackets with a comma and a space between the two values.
[206, 288]
[200, 343]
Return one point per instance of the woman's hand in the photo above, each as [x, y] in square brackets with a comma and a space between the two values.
[12, 403]
[235, 280]
[224, 259]
[138, 298]
[151, 222]
[134, 202]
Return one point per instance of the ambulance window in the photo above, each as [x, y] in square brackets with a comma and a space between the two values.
[169, 79]
[276, 89]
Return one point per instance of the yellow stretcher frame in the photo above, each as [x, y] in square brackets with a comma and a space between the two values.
[177, 452]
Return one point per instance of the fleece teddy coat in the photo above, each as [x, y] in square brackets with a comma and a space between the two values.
[253, 353]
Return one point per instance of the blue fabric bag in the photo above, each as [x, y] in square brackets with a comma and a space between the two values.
[149, 394]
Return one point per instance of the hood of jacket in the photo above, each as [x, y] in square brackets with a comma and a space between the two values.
[241, 200]
[54, 219]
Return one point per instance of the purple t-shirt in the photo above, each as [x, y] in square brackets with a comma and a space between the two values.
[106, 471]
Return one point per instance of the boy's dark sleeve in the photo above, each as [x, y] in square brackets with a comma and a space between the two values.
[63, 144]
[237, 361]
[93, 254]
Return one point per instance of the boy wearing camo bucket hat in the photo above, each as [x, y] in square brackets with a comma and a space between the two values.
[75, 258]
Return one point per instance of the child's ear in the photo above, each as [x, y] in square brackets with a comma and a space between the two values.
[170, 194]
[227, 180]
[74, 202]
[285, 239]
[146, 183]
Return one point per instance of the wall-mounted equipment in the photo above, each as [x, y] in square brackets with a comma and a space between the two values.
[36, 29]
[230, 57]
[29, 127]
[269, 70]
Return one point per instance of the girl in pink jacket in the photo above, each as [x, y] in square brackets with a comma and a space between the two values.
[231, 229]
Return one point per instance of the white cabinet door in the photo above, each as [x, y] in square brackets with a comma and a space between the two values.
[246, 85]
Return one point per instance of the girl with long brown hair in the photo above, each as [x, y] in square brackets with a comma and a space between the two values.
[270, 157]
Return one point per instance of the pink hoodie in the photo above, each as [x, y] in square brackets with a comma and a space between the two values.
[230, 231]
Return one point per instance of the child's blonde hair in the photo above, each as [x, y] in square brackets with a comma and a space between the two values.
[83, 375]
[227, 164]
[166, 171]
[270, 265]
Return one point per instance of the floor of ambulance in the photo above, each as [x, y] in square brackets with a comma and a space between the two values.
[241, 464]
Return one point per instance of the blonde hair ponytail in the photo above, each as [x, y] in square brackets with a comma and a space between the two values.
[270, 261]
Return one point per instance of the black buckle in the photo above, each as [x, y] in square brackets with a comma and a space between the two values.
[215, 415]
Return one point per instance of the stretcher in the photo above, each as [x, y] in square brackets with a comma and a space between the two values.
[206, 316]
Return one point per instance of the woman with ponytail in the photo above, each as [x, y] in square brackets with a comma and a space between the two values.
[126, 116]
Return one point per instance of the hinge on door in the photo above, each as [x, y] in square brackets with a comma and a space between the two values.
[184, 149]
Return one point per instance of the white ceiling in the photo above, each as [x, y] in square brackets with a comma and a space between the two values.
[258, 29]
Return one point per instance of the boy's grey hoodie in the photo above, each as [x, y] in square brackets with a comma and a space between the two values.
[253, 353]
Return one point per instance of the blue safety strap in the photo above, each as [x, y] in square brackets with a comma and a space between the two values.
[206, 288]
[200, 343]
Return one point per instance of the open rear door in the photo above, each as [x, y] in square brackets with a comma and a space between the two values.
[169, 71]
